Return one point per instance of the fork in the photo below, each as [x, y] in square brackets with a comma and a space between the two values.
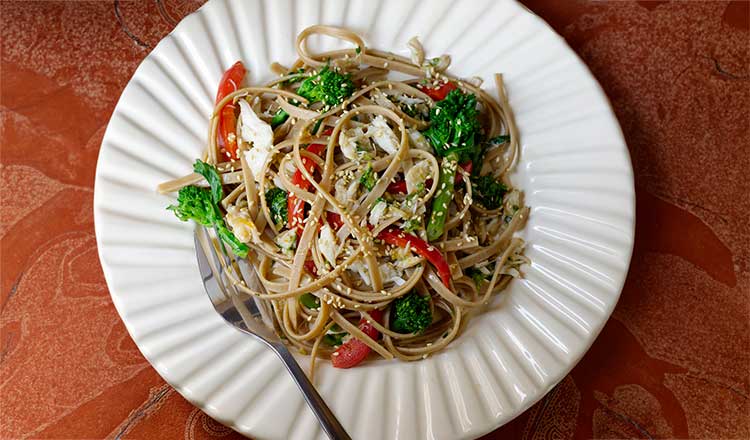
[252, 316]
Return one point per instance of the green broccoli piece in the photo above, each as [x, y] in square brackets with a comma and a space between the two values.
[489, 191]
[453, 133]
[454, 127]
[194, 203]
[202, 206]
[327, 86]
[368, 178]
[276, 199]
[411, 313]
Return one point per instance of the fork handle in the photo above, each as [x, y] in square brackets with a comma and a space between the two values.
[326, 418]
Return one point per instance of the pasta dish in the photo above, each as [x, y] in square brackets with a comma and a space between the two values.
[368, 191]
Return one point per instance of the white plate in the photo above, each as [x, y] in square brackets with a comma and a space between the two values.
[574, 168]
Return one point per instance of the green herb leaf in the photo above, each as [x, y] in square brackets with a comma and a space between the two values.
[334, 339]
[279, 118]
[475, 275]
[503, 138]
[368, 178]
[211, 175]
[276, 199]
[310, 301]
[411, 225]
[316, 127]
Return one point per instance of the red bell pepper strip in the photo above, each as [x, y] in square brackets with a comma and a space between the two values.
[397, 237]
[296, 206]
[438, 93]
[353, 352]
[230, 82]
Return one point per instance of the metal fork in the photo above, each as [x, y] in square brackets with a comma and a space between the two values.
[248, 317]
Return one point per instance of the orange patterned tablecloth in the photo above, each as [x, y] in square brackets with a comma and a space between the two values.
[673, 362]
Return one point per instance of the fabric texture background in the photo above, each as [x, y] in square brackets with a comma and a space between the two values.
[673, 362]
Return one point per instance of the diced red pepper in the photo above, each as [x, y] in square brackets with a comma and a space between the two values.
[467, 166]
[353, 352]
[229, 83]
[334, 220]
[397, 187]
[440, 92]
[310, 267]
[397, 237]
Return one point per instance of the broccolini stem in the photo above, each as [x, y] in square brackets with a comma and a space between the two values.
[443, 197]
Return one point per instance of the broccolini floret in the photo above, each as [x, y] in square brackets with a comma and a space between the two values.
[454, 127]
[327, 86]
[489, 191]
[202, 206]
[194, 203]
[411, 313]
[454, 134]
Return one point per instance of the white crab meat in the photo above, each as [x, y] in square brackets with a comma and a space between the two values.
[382, 134]
[417, 174]
[242, 225]
[418, 141]
[391, 274]
[348, 139]
[287, 240]
[408, 100]
[361, 269]
[381, 100]
[346, 193]
[404, 258]
[327, 244]
[378, 212]
[257, 133]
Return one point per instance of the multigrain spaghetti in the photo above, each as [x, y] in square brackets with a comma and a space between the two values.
[377, 213]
